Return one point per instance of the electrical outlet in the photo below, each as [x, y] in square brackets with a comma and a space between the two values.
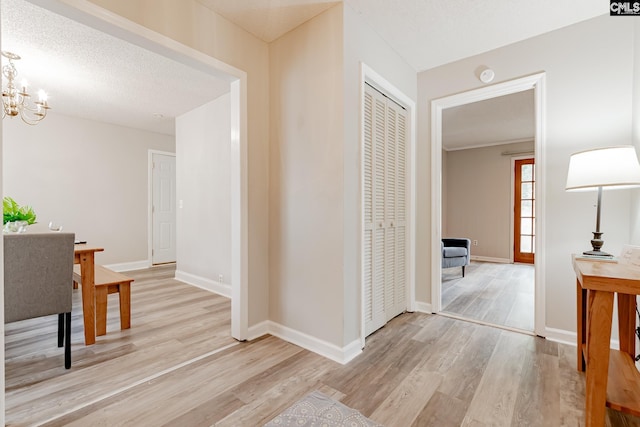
[475, 243]
[220, 278]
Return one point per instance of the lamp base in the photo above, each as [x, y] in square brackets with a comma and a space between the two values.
[597, 253]
[597, 243]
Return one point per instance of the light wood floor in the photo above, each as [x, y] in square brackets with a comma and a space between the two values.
[499, 294]
[177, 366]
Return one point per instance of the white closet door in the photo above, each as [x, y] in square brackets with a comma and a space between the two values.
[384, 198]
[374, 230]
[390, 214]
[367, 199]
[399, 221]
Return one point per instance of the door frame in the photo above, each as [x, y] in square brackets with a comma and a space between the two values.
[537, 83]
[369, 76]
[94, 16]
[151, 152]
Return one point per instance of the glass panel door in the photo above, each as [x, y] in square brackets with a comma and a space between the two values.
[524, 219]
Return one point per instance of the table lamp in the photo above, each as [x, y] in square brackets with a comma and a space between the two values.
[603, 168]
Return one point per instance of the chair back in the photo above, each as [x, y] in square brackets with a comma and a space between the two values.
[38, 274]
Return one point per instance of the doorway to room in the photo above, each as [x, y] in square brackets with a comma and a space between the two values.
[236, 79]
[496, 270]
[478, 193]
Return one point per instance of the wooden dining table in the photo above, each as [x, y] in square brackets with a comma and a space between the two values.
[84, 255]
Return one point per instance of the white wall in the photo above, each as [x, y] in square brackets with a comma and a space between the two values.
[589, 71]
[635, 204]
[478, 200]
[192, 24]
[315, 205]
[203, 157]
[89, 176]
[306, 195]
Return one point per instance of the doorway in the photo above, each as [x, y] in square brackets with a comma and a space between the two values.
[385, 209]
[535, 83]
[122, 28]
[403, 265]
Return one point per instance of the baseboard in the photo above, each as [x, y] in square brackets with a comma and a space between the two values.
[570, 338]
[423, 307]
[561, 336]
[204, 283]
[490, 259]
[256, 331]
[129, 266]
[341, 355]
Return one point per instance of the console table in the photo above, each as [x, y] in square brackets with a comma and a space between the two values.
[612, 378]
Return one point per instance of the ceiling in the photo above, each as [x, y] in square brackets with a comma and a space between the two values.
[93, 75]
[501, 120]
[426, 33]
[268, 19]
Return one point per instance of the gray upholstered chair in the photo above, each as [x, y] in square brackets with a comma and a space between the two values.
[456, 253]
[38, 277]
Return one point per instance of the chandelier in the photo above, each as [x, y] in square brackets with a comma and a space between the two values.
[17, 102]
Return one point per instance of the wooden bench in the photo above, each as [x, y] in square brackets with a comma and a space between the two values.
[108, 282]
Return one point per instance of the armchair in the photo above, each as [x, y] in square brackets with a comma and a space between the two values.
[456, 253]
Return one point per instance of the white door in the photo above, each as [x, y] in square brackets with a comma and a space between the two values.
[385, 198]
[163, 208]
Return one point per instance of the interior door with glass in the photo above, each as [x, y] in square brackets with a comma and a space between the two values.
[524, 218]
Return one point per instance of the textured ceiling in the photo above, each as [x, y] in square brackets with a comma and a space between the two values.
[509, 118]
[92, 75]
[428, 33]
[268, 19]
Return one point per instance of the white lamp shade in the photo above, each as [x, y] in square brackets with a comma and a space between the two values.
[609, 167]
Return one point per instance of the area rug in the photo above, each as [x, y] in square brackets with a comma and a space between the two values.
[319, 410]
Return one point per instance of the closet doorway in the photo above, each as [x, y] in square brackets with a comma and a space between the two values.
[389, 277]
[385, 209]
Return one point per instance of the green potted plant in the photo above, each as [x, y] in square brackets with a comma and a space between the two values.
[13, 212]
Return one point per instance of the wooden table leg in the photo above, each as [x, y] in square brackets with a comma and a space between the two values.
[125, 305]
[582, 325]
[600, 310]
[627, 323]
[87, 273]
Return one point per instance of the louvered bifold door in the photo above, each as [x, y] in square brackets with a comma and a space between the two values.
[390, 199]
[384, 198]
[398, 223]
[374, 221]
